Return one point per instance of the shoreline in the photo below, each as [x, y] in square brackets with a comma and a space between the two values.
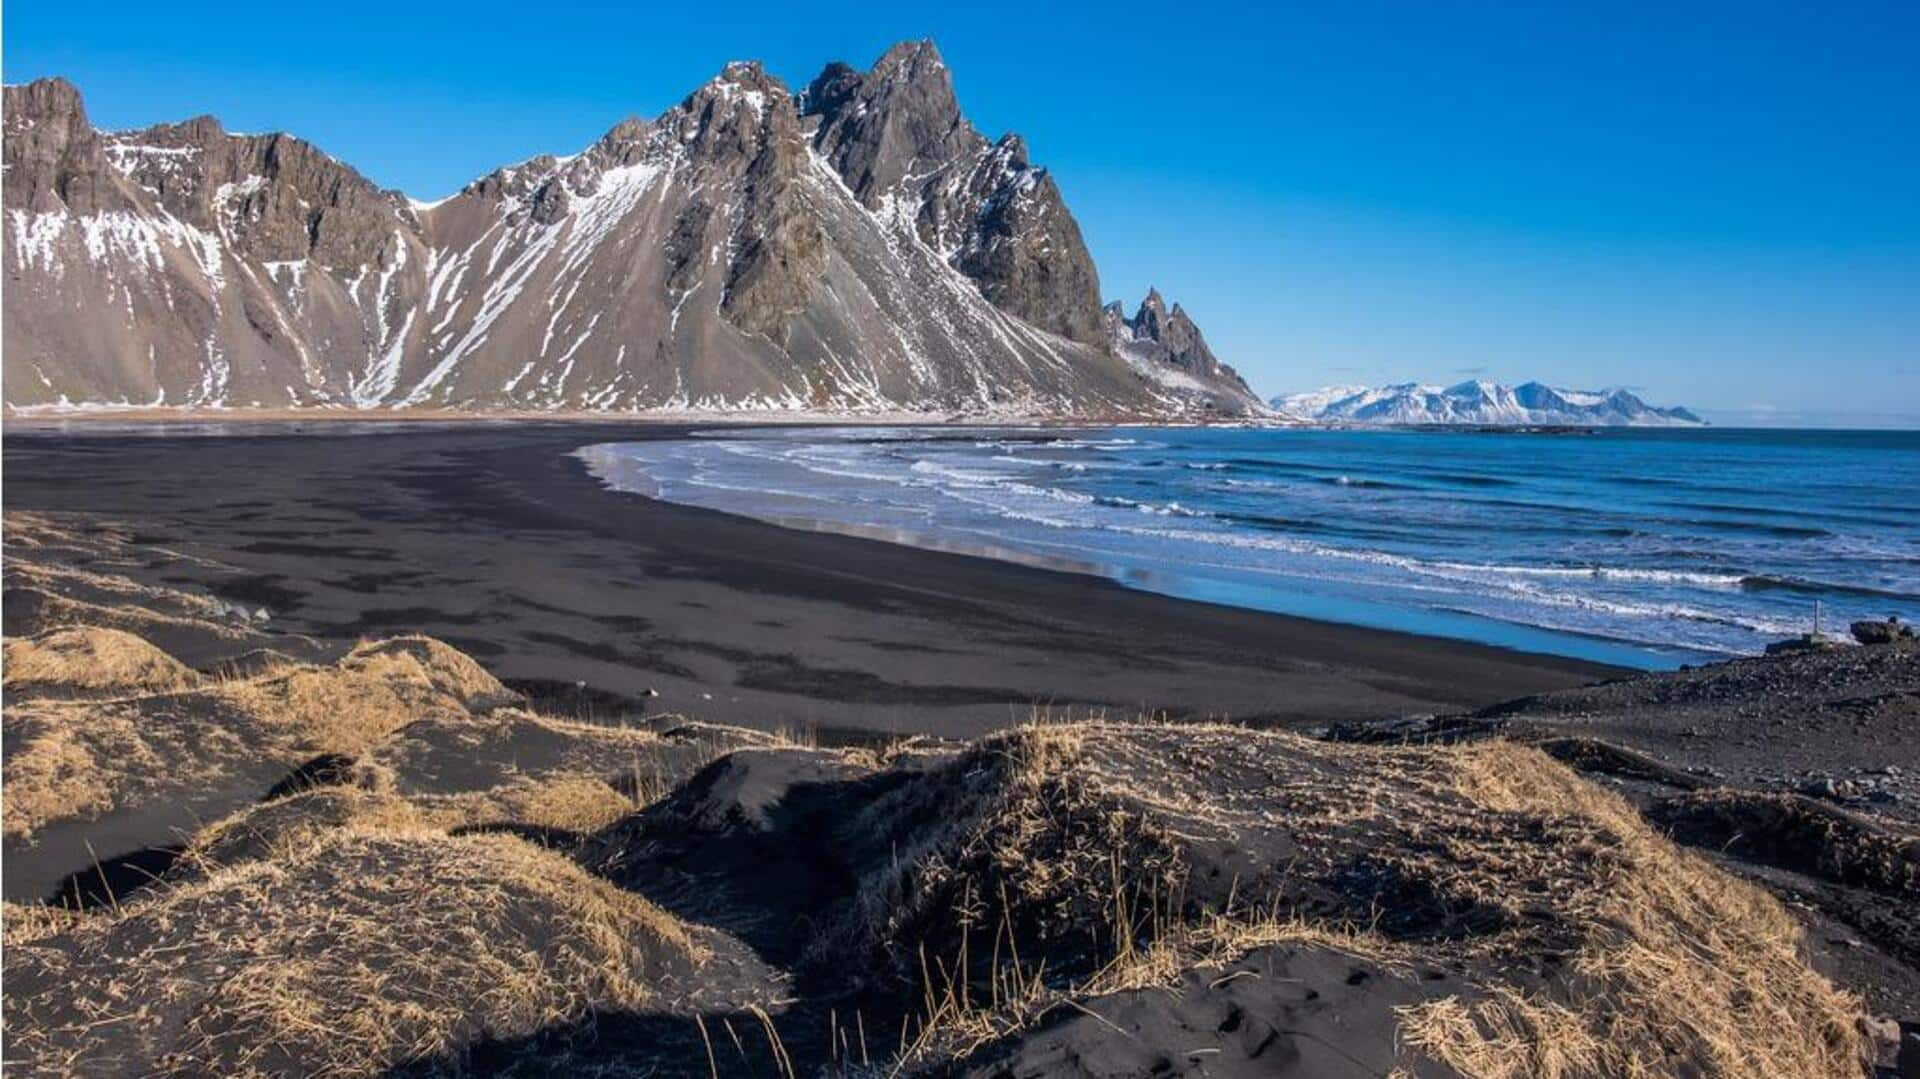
[616, 473]
[498, 539]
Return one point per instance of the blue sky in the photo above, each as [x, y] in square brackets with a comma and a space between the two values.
[1718, 205]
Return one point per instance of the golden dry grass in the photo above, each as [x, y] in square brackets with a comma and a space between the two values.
[1675, 967]
[518, 754]
[71, 759]
[23, 923]
[567, 803]
[54, 771]
[276, 829]
[347, 956]
[1684, 969]
[54, 610]
[285, 826]
[94, 661]
[425, 661]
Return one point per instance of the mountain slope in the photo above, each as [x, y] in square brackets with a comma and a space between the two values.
[1481, 403]
[746, 249]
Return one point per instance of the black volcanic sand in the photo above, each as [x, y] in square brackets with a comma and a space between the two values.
[493, 537]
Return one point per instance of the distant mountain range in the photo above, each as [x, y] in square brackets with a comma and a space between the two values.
[857, 245]
[1481, 402]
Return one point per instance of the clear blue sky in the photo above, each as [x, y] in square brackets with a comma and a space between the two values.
[1716, 204]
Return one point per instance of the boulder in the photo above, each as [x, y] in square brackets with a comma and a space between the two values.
[1887, 632]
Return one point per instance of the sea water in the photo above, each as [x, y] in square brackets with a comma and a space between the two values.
[1641, 547]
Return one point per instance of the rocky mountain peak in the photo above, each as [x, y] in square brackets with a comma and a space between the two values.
[861, 246]
[733, 113]
[737, 78]
[202, 129]
[46, 109]
[919, 66]
[41, 100]
[875, 128]
[896, 136]
[52, 155]
[1169, 337]
[1150, 319]
[919, 57]
[274, 196]
[624, 142]
[750, 73]
[1012, 149]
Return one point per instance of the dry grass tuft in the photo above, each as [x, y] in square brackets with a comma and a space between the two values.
[69, 759]
[281, 828]
[425, 661]
[94, 662]
[63, 571]
[285, 826]
[565, 803]
[532, 765]
[1681, 969]
[24, 923]
[347, 957]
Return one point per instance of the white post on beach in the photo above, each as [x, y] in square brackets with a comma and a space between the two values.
[1816, 618]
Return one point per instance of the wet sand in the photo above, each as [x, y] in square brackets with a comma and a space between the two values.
[494, 538]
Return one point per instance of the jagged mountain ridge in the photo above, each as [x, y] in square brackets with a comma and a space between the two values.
[1165, 345]
[897, 136]
[749, 248]
[1480, 402]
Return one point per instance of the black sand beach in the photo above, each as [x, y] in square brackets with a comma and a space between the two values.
[220, 724]
[494, 538]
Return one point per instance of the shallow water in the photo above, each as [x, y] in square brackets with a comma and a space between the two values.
[1641, 547]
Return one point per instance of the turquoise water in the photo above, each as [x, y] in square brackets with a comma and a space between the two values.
[1642, 547]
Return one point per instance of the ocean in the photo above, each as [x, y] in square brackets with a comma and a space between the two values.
[1642, 547]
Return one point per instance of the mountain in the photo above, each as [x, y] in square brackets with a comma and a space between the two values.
[1165, 346]
[1481, 402]
[855, 246]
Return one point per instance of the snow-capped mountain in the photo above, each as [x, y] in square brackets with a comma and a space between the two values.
[858, 245]
[1481, 403]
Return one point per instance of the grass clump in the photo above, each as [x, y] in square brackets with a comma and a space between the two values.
[90, 661]
[1678, 968]
[348, 956]
[220, 741]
